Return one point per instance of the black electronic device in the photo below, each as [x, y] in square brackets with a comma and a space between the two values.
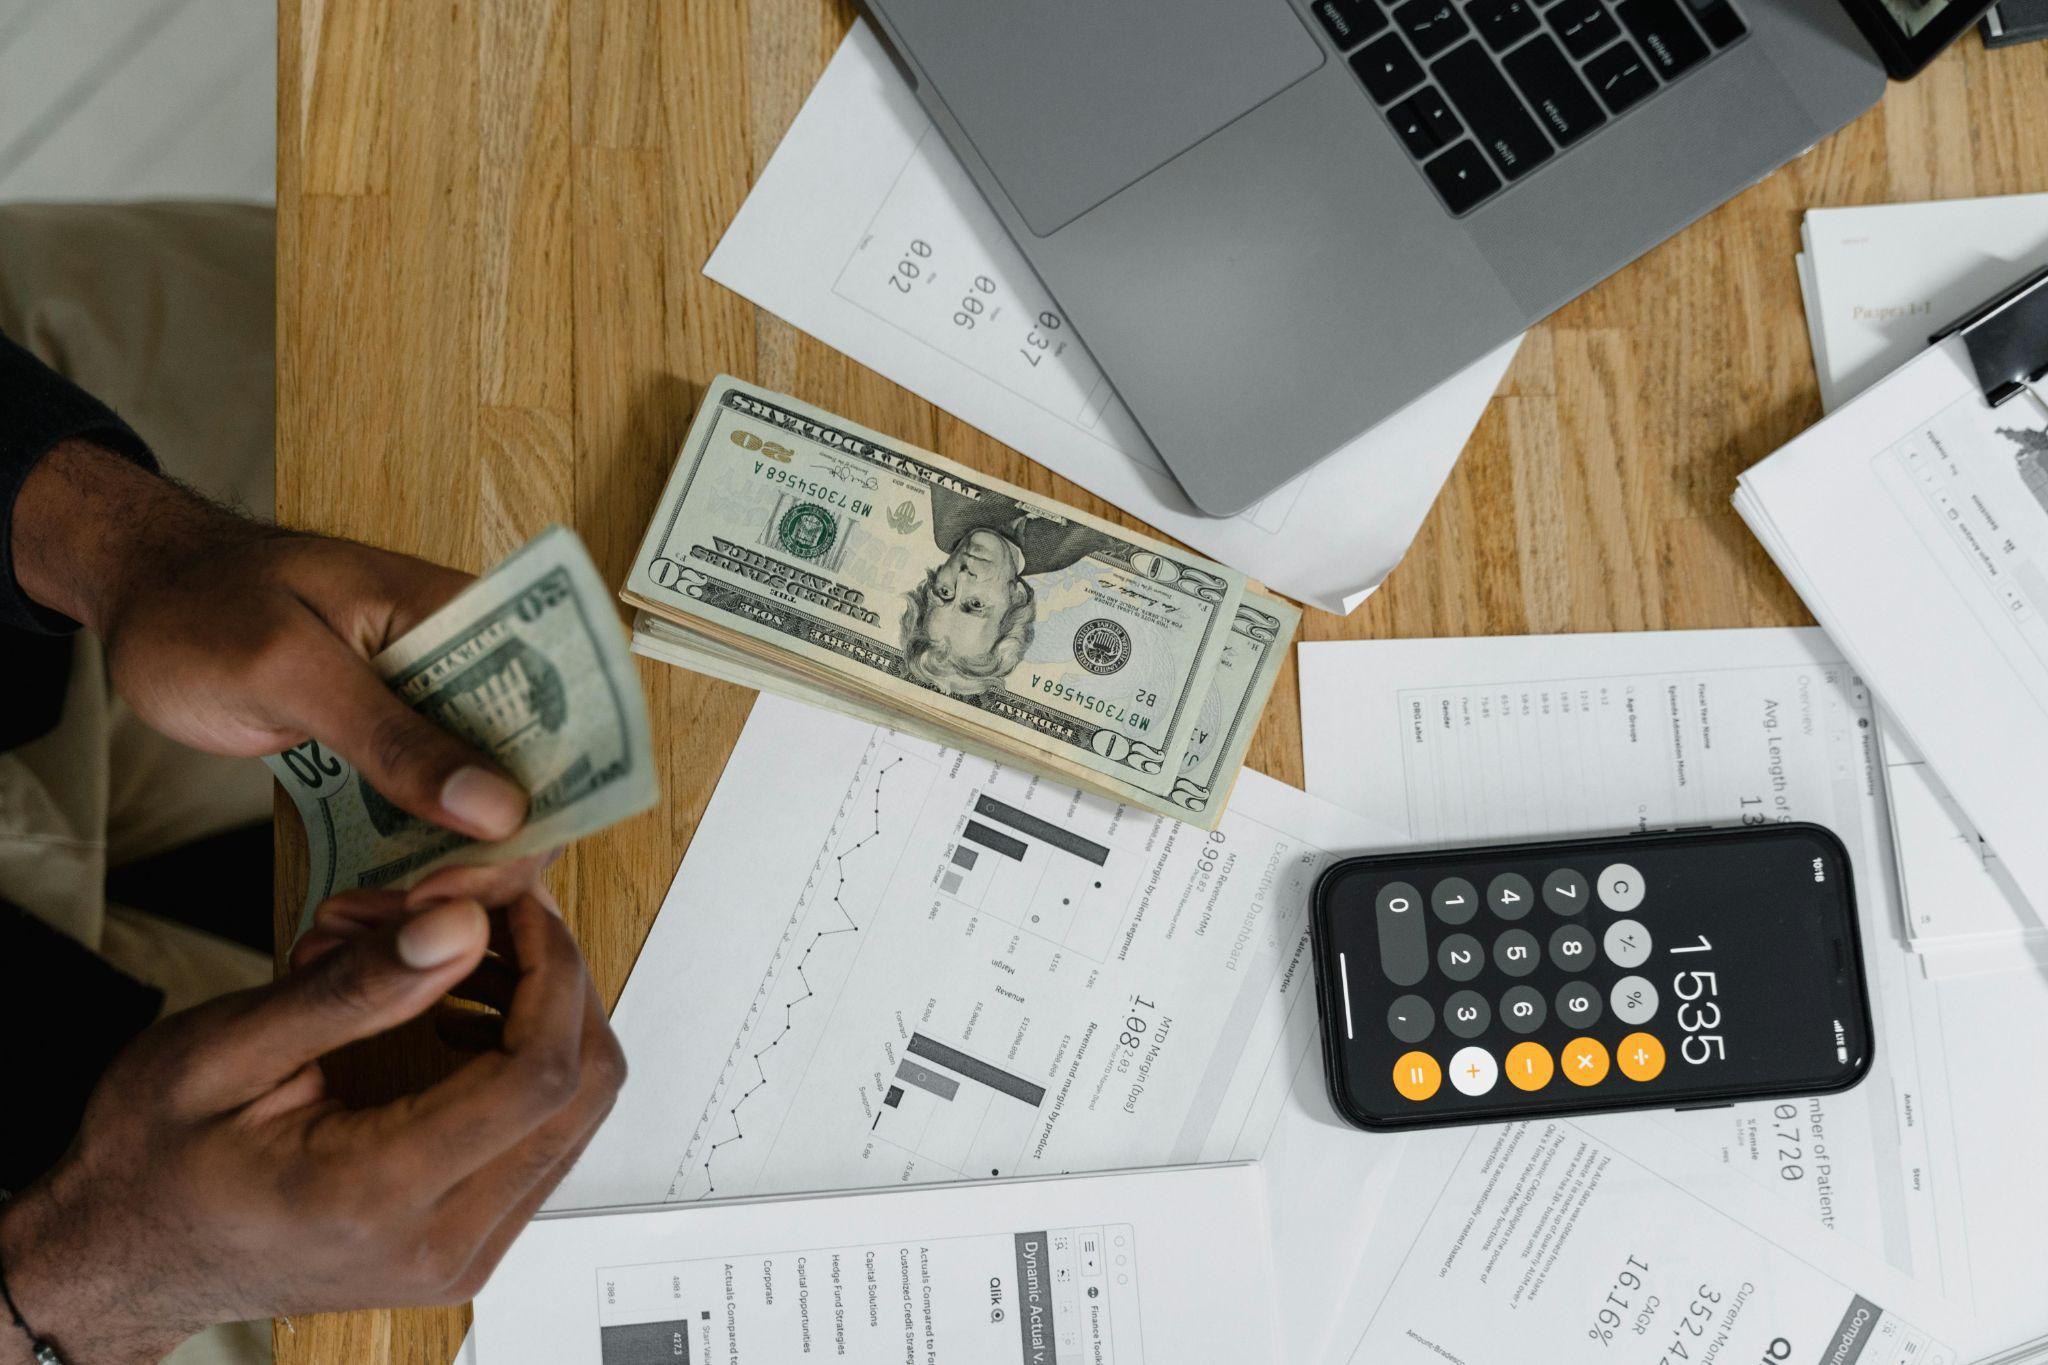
[1674, 969]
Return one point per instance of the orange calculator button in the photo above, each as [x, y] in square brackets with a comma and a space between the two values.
[1528, 1066]
[1417, 1075]
[1585, 1061]
[1640, 1057]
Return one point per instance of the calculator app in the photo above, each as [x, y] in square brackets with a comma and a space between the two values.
[1612, 973]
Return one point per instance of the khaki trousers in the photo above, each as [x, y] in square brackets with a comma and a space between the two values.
[166, 313]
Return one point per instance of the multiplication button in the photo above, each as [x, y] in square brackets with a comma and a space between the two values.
[1509, 895]
[1627, 943]
[1634, 999]
[1565, 891]
[1460, 957]
[1454, 900]
[1620, 887]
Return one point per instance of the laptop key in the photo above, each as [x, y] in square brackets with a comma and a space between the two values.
[1718, 20]
[1461, 176]
[1584, 25]
[1432, 25]
[1491, 110]
[1425, 122]
[1503, 23]
[1386, 68]
[1349, 22]
[1620, 77]
[1663, 33]
[1563, 104]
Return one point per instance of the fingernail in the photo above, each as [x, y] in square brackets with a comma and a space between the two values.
[484, 801]
[437, 935]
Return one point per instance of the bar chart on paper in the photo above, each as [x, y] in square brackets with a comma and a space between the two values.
[984, 974]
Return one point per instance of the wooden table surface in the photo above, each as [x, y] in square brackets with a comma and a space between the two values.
[492, 220]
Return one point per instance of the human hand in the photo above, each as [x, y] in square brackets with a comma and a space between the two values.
[214, 1178]
[239, 638]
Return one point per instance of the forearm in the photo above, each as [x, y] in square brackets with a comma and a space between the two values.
[87, 520]
[68, 1296]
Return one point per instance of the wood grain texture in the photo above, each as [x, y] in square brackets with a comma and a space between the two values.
[492, 223]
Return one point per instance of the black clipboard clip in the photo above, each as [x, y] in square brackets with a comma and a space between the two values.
[2007, 340]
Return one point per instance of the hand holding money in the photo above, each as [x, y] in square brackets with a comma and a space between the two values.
[528, 665]
[795, 551]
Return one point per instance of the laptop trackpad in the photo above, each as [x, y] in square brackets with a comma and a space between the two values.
[1068, 101]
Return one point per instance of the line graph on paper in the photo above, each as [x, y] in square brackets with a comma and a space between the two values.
[784, 1025]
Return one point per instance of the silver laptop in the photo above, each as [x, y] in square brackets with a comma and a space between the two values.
[1277, 222]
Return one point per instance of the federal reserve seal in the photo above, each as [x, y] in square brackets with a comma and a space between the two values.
[807, 531]
[1102, 646]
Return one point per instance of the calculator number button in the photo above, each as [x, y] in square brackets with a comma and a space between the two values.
[1404, 947]
[1509, 895]
[1578, 1004]
[1571, 948]
[1454, 900]
[1473, 1070]
[1417, 1076]
[1529, 1066]
[1565, 891]
[1621, 887]
[1627, 943]
[1584, 1061]
[1410, 1018]
[1522, 1009]
[1516, 952]
[1460, 957]
[1634, 1000]
[1466, 1014]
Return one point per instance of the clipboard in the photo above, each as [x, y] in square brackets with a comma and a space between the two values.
[2007, 340]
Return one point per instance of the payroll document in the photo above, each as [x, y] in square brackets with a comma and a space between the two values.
[1160, 1266]
[1468, 741]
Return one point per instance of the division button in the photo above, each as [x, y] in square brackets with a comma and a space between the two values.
[1417, 1076]
[1578, 1004]
[1584, 1061]
[1571, 948]
[1473, 1070]
[1460, 957]
[1529, 1066]
[1404, 947]
[1522, 1009]
[1620, 887]
[1565, 891]
[1516, 952]
[1634, 1000]
[1454, 900]
[1627, 943]
[1509, 895]
[1640, 1057]
[1466, 1014]
[1410, 1018]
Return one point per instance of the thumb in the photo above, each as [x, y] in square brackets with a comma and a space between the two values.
[413, 762]
[357, 991]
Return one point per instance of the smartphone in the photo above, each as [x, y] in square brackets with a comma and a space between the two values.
[1669, 969]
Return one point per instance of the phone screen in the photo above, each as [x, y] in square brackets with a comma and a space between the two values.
[1648, 971]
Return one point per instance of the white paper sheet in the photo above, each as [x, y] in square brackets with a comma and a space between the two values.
[1557, 735]
[1162, 1267]
[1576, 1241]
[882, 962]
[865, 232]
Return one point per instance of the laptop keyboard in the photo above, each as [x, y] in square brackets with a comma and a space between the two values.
[1482, 92]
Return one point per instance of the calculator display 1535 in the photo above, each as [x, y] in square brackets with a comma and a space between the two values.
[1679, 969]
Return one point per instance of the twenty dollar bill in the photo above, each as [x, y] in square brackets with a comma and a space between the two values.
[529, 665]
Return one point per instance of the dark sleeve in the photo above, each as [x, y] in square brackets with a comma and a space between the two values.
[80, 1012]
[40, 410]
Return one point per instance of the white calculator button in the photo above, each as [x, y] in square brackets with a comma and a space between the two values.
[1473, 1070]
[1628, 943]
[1620, 887]
[1634, 1000]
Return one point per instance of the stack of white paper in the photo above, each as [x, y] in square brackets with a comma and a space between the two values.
[1877, 281]
[865, 232]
